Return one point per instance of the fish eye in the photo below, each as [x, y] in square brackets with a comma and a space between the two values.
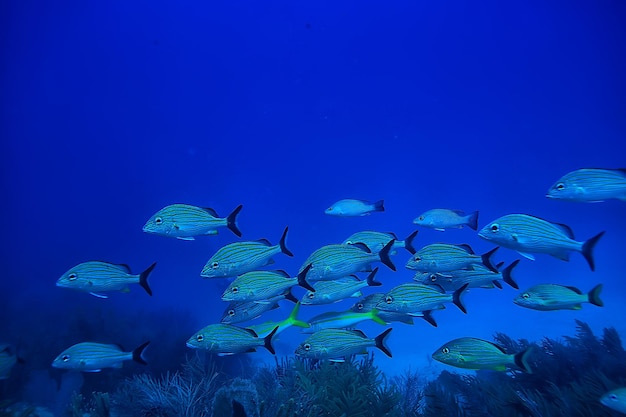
[613, 396]
[359, 306]
[421, 218]
[526, 295]
[307, 346]
[199, 338]
[214, 265]
[329, 209]
[65, 358]
[495, 227]
[348, 242]
[310, 295]
[417, 258]
[445, 350]
[389, 299]
[158, 220]
[433, 278]
[231, 312]
[560, 186]
[235, 290]
[72, 276]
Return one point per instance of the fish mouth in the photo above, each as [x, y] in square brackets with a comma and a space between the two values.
[549, 196]
[190, 345]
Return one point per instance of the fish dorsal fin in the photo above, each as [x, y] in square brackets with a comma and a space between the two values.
[362, 246]
[393, 235]
[252, 332]
[283, 273]
[126, 267]
[500, 348]
[566, 229]
[211, 211]
[620, 170]
[358, 332]
[576, 290]
[118, 346]
[466, 247]
[458, 212]
[264, 241]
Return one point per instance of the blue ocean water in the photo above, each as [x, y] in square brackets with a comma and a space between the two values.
[113, 110]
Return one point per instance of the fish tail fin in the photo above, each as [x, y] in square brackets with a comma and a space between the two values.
[486, 257]
[302, 279]
[231, 220]
[384, 255]
[376, 318]
[138, 352]
[472, 221]
[507, 275]
[267, 341]
[594, 296]
[370, 279]
[289, 296]
[293, 317]
[143, 279]
[283, 246]
[457, 300]
[408, 242]
[521, 360]
[587, 250]
[381, 344]
[428, 316]
[379, 205]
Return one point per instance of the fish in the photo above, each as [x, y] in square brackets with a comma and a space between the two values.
[473, 353]
[444, 257]
[93, 357]
[226, 339]
[238, 311]
[590, 185]
[327, 292]
[615, 399]
[410, 298]
[369, 302]
[442, 219]
[548, 297]
[478, 277]
[97, 277]
[241, 257]
[529, 234]
[8, 359]
[185, 222]
[376, 241]
[353, 208]
[266, 328]
[261, 285]
[336, 261]
[341, 320]
[335, 344]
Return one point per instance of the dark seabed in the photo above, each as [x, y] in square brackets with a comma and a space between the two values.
[112, 110]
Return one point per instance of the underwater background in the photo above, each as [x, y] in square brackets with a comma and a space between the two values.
[113, 110]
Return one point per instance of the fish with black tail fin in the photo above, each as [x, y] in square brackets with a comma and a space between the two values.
[548, 297]
[336, 344]
[590, 185]
[185, 222]
[93, 357]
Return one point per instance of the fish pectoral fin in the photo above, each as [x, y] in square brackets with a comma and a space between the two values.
[577, 307]
[185, 238]
[95, 294]
[440, 229]
[225, 353]
[340, 360]
[527, 255]
[125, 290]
[564, 256]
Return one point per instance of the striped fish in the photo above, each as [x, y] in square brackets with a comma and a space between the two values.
[241, 257]
[8, 359]
[93, 357]
[341, 320]
[478, 277]
[184, 221]
[472, 353]
[376, 241]
[442, 219]
[96, 277]
[528, 234]
[327, 292]
[370, 301]
[335, 344]
[412, 298]
[590, 185]
[226, 339]
[615, 399]
[352, 208]
[266, 328]
[261, 285]
[444, 257]
[238, 311]
[336, 261]
[547, 297]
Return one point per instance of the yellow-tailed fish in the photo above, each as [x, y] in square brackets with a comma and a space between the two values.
[341, 320]
[351, 208]
[327, 292]
[478, 277]
[472, 353]
[226, 339]
[529, 234]
[93, 357]
[442, 219]
[238, 311]
[370, 301]
[336, 344]
[615, 400]
[261, 285]
[96, 277]
[241, 257]
[412, 298]
[335, 261]
[184, 221]
[547, 297]
[590, 185]
[376, 241]
[444, 257]
[266, 328]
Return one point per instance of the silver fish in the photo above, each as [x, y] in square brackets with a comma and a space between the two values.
[335, 344]
[96, 277]
[478, 277]
[590, 185]
[184, 221]
[444, 257]
[442, 219]
[472, 353]
[241, 257]
[547, 297]
[351, 208]
[341, 320]
[376, 241]
[226, 339]
[261, 285]
[327, 292]
[412, 298]
[528, 234]
[93, 357]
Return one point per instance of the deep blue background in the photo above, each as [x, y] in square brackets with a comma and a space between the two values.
[112, 110]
